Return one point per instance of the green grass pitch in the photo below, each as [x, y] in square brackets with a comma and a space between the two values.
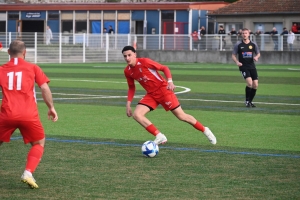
[93, 151]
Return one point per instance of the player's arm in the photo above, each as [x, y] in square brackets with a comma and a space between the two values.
[168, 75]
[256, 57]
[130, 95]
[47, 96]
[236, 60]
[257, 52]
[233, 56]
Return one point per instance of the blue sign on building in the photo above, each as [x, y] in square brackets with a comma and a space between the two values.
[33, 15]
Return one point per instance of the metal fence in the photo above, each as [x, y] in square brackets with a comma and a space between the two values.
[81, 48]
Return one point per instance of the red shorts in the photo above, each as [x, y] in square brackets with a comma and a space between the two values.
[162, 96]
[31, 130]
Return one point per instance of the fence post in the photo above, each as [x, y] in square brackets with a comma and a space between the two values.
[281, 42]
[60, 51]
[163, 43]
[9, 41]
[106, 47]
[83, 45]
[221, 43]
[35, 47]
[159, 41]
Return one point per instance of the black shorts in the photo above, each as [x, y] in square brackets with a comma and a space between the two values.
[246, 73]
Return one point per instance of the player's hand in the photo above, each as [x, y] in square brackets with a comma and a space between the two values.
[238, 63]
[128, 111]
[171, 86]
[255, 58]
[52, 115]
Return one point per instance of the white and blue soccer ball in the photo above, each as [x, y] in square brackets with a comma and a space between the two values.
[150, 149]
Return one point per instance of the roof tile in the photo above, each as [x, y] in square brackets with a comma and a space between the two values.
[259, 6]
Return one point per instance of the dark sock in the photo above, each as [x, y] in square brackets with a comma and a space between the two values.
[252, 94]
[248, 92]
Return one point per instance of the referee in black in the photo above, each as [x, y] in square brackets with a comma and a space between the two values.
[247, 52]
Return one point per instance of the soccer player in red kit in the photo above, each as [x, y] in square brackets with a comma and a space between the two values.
[19, 107]
[159, 91]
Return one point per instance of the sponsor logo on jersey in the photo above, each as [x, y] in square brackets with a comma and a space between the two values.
[140, 69]
[144, 79]
[138, 63]
[247, 54]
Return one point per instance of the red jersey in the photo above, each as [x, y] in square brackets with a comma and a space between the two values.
[146, 73]
[195, 36]
[17, 80]
[1, 46]
[295, 29]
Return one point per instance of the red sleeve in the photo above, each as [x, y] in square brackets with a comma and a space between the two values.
[155, 65]
[131, 88]
[167, 72]
[40, 76]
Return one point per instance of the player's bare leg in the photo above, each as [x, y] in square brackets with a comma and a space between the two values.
[33, 159]
[181, 115]
[1, 142]
[140, 116]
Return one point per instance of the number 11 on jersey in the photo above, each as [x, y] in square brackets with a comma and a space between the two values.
[11, 80]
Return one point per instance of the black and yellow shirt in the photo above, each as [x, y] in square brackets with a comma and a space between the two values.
[245, 53]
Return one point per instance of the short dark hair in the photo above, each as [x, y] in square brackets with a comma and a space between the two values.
[127, 48]
[16, 47]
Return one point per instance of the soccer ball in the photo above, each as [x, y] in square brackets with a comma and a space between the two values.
[150, 149]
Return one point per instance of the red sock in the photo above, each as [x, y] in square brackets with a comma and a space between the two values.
[199, 126]
[34, 157]
[152, 129]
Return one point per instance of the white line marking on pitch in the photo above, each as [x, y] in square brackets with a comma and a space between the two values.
[184, 91]
[220, 101]
[293, 69]
[90, 96]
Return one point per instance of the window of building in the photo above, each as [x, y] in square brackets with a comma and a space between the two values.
[236, 26]
[80, 26]
[67, 26]
[169, 15]
[53, 16]
[2, 26]
[13, 16]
